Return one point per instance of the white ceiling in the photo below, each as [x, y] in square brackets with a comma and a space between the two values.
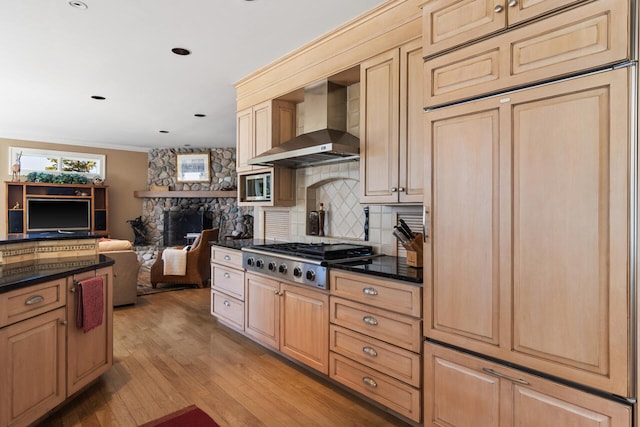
[55, 57]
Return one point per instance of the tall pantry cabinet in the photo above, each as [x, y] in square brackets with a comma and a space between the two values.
[529, 213]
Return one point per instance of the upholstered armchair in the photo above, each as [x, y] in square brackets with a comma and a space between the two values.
[198, 269]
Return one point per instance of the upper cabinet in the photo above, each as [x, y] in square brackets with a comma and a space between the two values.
[581, 38]
[259, 129]
[453, 22]
[391, 136]
[262, 127]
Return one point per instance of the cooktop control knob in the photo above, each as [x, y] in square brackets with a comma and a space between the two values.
[311, 275]
[272, 266]
[297, 272]
[260, 263]
[283, 268]
[251, 261]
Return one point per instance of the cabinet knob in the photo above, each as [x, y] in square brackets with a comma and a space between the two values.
[370, 382]
[226, 275]
[370, 351]
[64, 322]
[226, 303]
[227, 258]
[512, 3]
[401, 189]
[369, 291]
[370, 320]
[34, 299]
[498, 9]
[394, 190]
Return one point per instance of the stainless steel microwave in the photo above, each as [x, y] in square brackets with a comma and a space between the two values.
[258, 187]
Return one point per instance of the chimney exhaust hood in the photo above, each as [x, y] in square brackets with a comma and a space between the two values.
[324, 140]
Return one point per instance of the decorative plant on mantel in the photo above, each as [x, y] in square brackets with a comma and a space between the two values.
[61, 178]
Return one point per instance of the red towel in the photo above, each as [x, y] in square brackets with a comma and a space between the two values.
[90, 303]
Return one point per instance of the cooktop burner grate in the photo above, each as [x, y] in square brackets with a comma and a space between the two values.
[318, 251]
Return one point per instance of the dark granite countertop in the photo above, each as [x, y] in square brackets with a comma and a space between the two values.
[386, 266]
[21, 274]
[240, 243]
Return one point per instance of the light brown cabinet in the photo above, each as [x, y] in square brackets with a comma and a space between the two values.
[290, 319]
[391, 137]
[589, 36]
[89, 354]
[44, 358]
[259, 129]
[376, 340]
[449, 23]
[227, 287]
[527, 218]
[494, 395]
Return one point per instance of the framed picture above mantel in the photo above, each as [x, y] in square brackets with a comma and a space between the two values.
[193, 167]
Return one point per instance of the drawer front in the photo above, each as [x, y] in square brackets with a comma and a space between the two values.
[580, 39]
[398, 363]
[393, 328]
[394, 394]
[227, 309]
[31, 301]
[386, 294]
[229, 281]
[229, 257]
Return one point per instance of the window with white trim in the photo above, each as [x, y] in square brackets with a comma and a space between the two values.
[38, 160]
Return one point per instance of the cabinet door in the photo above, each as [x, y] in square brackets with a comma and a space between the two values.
[465, 391]
[466, 229]
[32, 367]
[527, 260]
[262, 127]
[379, 118]
[262, 307]
[304, 323]
[570, 230]
[244, 139]
[448, 23]
[411, 123]
[90, 354]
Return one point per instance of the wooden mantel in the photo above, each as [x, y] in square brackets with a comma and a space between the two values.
[184, 194]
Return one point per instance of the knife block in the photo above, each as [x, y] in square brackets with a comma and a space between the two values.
[414, 251]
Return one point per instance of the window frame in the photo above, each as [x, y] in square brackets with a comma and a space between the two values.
[60, 155]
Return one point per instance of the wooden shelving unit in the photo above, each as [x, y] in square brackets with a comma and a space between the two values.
[183, 194]
[19, 192]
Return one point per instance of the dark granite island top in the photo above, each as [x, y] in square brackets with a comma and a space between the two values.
[30, 259]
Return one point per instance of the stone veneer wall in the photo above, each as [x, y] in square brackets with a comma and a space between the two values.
[224, 212]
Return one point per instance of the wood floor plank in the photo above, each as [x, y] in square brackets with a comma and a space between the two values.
[169, 352]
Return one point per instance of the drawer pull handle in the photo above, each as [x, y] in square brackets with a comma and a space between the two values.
[370, 351]
[34, 299]
[370, 320]
[507, 377]
[370, 291]
[226, 275]
[227, 258]
[370, 382]
[227, 303]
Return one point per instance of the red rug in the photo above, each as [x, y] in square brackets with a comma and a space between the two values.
[191, 416]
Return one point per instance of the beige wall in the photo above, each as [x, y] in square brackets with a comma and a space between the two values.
[126, 172]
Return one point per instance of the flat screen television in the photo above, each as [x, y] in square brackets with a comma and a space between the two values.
[58, 215]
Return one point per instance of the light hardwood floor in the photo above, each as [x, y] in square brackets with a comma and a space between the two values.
[169, 352]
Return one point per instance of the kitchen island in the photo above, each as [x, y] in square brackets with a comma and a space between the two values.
[46, 355]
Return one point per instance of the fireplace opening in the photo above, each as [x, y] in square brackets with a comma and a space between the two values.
[177, 224]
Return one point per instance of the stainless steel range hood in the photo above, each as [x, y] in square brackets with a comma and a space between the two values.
[324, 140]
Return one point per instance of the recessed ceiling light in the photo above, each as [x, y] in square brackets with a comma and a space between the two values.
[181, 51]
[163, 131]
[187, 145]
[200, 115]
[78, 4]
[98, 97]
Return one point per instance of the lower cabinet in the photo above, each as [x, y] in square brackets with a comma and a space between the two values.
[461, 390]
[376, 340]
[290, 319]
[44, 357]
[227, 287]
